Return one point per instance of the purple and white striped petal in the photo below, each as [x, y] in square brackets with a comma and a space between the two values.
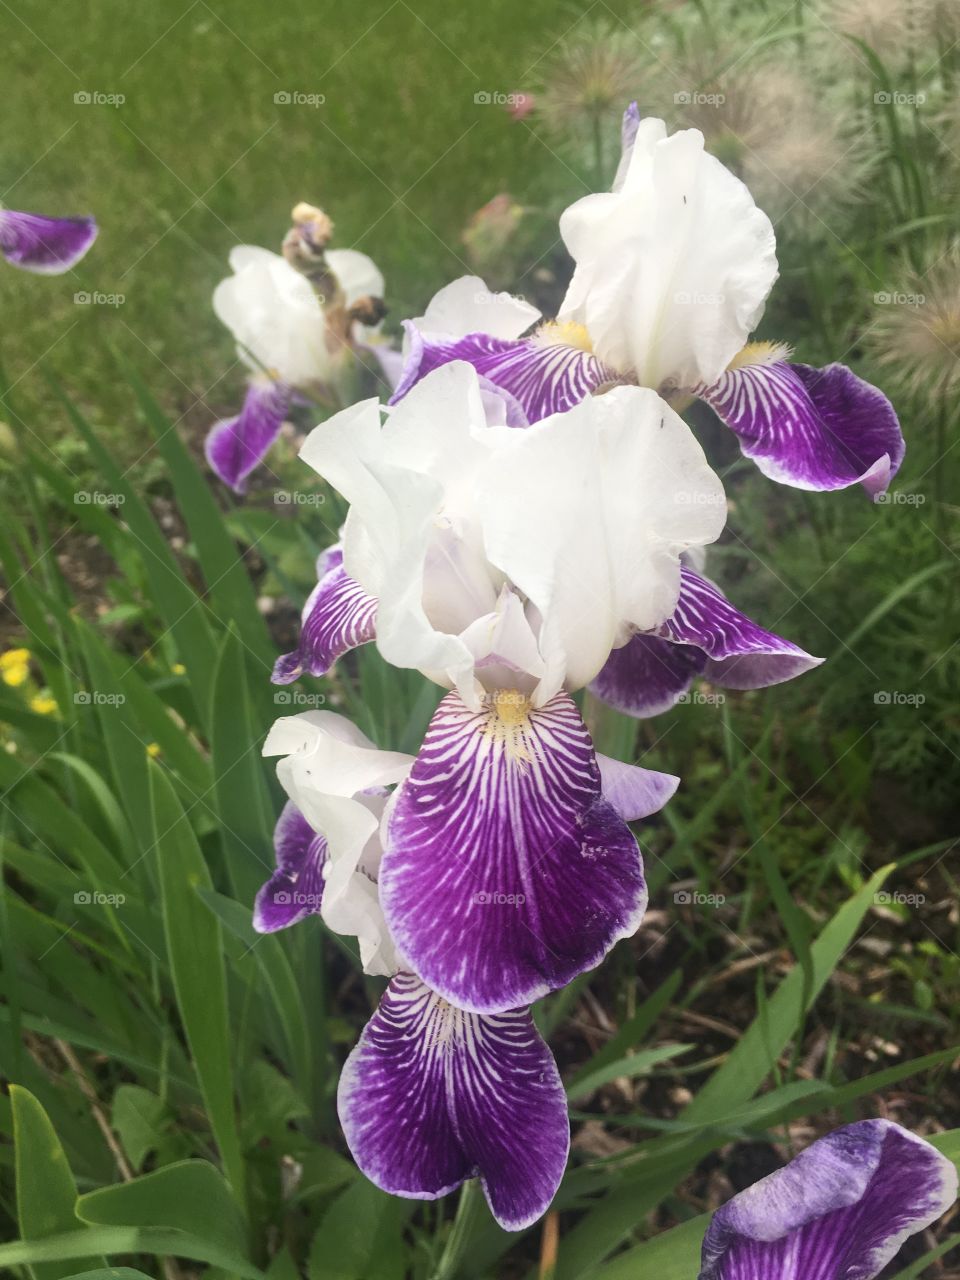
[647, 675]
[544, 374]
[296, 887]
[839, 1211]
[46, 246]
[505, 871]
[811, 428]
[339, 615]
[433, 1095]
[740, 654]
[235, 446]
[706, 636]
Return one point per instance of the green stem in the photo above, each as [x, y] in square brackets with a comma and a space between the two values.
[468, 1209]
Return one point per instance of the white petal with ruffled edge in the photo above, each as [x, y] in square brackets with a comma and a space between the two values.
[674, 267]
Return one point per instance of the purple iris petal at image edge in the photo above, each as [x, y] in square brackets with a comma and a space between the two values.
[811, 428]
[46, 246]
[296, 887]
[433, 1095]
[506, 871]
[338, 615]
[706, 636]
[838, 1211]
[235, 446]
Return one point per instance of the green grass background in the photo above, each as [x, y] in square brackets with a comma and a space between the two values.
[200, 158]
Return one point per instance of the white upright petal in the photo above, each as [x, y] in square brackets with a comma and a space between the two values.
[328, 765]
[275, 316]
[468, 306]
[357, 275]
[673, 267]
[587, 514]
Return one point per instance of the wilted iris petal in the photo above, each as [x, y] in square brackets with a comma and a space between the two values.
[706, 635]
[433, 1095]
[338, 616]
[839, 1211]
[810, 428]
[505, 870]
[545, 374]
[296, 887]
[235, 446]
[47, 246]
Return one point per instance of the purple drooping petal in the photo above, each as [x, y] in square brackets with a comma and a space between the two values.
[235, 446]
[647, 676]
[811, 428]
[706, 636]
[47, 246]
[433, 1095]
[505, 872]
[296, 887]
[543, 376]
[339, 615]
[740, 654]
[635, 793]
[839, 1211]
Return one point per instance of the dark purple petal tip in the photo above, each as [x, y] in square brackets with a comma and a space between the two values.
[295, 889]
[706, 636]
[46, 246]
[838, 1211]
[339, 615]
[811, 428]
[235, 446]
[505, 871]
[432, 1096]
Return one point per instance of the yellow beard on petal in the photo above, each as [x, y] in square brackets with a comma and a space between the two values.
[508, 712]
[566, 333]
[755, 353]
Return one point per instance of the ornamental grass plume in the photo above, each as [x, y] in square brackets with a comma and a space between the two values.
[586, 81]
[918, 339]
[770, 124]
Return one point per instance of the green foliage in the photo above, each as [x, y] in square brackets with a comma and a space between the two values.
[136, 818]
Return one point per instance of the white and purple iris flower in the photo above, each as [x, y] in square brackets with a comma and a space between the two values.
[838, 1211]
[296, 333]
[46, 246]
[507, 566]
[432, 1094]
[673, 268]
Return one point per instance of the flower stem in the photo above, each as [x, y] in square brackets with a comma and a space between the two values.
[471, 1201]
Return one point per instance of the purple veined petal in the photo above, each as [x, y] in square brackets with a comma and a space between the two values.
[838, 1211]
[339, 615]
[505, 872]
[235, 446]
[740, 654]
[634, 792]
[433, 1095]
[544, 374]
[46, 246]
[296, 887]
[706, 636]
[647, 675]
[811, 428]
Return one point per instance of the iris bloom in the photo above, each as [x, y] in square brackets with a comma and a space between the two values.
[839, 1211]
[673, 268]
[46, 246]
[432, 1094]
[297, 319]
[506, 566]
